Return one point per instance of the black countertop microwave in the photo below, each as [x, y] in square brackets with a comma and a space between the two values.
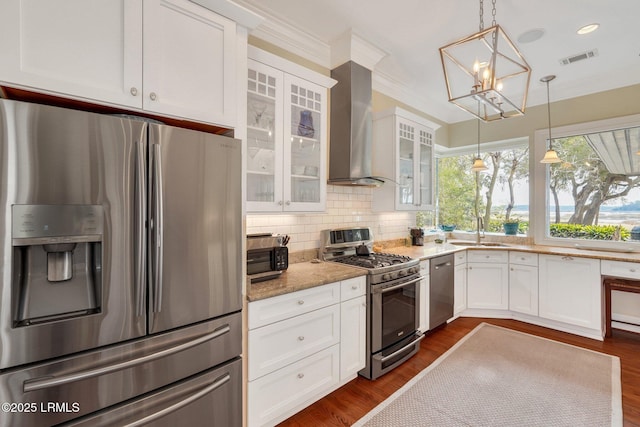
[267, 256]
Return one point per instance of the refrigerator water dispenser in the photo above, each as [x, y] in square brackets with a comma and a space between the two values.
[57, 258]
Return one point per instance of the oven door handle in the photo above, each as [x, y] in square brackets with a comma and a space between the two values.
[401, 285]
[395, 353]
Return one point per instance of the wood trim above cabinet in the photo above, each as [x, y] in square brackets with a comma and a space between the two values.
[18, 94]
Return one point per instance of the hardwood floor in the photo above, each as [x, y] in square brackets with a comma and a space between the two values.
[349, 403]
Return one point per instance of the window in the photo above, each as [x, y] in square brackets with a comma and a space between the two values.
[592, 198]
[502, 192]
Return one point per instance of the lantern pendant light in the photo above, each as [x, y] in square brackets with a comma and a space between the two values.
[486, 67]
[550, 156]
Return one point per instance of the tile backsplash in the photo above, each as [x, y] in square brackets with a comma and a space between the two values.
[346, 207]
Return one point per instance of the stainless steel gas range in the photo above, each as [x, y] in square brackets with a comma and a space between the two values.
[393, 297]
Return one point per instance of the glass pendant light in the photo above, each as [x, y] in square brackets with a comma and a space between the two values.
[478, 163]
[550, 156]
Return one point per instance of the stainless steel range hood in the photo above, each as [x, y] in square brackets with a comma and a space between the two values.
[350, 139]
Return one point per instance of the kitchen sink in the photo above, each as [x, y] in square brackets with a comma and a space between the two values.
[481, 245]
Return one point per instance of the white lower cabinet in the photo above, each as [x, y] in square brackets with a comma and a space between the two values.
[487, 279]
[353, 333]
[570, 290]
[302, 346]
[523, 283]
[277, 396]
[460, 283]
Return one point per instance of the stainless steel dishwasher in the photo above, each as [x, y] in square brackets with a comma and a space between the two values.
[440, 290]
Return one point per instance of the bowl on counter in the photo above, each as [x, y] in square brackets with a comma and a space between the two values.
[447, 227]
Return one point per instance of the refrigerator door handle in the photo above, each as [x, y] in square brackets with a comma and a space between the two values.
[141, 243]
[53, 381]
[220, 381]
[158, 209]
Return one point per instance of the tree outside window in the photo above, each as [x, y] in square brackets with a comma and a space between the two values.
[502, 192]
[594, 193]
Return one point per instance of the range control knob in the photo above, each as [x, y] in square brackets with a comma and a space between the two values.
[385, 277]
[402, 273]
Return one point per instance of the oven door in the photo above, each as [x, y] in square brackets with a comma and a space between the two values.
[395, 312]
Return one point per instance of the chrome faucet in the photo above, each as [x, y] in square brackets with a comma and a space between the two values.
[479, 226]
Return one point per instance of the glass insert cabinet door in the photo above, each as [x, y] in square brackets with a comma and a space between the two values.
[305, 147]
[415, 166]
[264, 136]
[425, 158]
[406, 164]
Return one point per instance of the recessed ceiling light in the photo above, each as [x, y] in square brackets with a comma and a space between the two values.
[587, 28]
[531, 35]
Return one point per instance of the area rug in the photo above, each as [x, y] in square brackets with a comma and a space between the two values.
[499, 377]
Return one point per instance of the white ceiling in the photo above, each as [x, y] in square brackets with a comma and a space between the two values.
[412, 31]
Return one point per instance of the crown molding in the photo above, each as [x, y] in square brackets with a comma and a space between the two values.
[237, 13]
[285, 36]
[351, 47]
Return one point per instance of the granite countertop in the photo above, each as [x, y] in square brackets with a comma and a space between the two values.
[430, 250]
[302, 275]
[305, 275]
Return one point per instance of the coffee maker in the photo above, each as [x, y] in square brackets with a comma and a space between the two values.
[417, 236]
[57, 262]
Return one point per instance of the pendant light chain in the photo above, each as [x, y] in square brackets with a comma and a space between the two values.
[549, 113]
[493, 14]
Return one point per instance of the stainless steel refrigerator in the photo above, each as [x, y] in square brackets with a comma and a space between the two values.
[120, 298]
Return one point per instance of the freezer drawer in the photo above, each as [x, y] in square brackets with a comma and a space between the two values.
[91, 381]
[212, 399]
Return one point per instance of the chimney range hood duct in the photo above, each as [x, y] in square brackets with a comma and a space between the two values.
[350, 139]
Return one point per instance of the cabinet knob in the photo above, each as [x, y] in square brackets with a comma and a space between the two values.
[134, 91]
[288, 202]
[300, 375]
[512, 269]
[354, 287]
[301, 338]
[300, 302]
[633, 270]
[153, 96]
[280, 203]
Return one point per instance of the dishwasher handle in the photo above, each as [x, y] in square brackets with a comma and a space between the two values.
[444, 264]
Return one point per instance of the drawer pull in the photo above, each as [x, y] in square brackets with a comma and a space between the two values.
[487, 256]
[301, 375]
[301, 338]
[567, 258]
[633, 270]
[512, 269]
[354, 287]
[522, 258]
[300, 302]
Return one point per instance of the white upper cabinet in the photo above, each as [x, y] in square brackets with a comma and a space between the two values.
[286, 137]
[189, 62]
[170, 57]
[403, 151]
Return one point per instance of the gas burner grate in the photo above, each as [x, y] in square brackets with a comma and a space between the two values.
[377, 260]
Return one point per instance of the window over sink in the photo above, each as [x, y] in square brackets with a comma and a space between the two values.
[503, 190]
